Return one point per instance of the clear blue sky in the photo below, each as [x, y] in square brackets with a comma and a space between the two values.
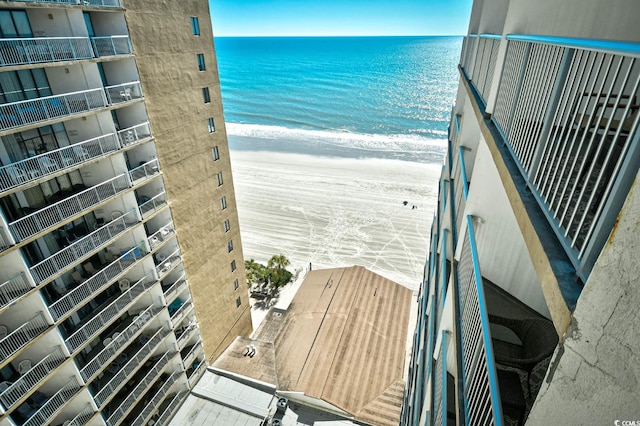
[339, 17]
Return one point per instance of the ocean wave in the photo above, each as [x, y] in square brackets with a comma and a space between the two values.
[408, 143]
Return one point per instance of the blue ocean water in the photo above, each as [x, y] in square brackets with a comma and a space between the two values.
[383, 97]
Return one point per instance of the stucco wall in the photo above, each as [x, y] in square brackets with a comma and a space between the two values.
[165, 51]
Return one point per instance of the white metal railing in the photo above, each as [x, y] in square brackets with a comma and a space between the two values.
[13, 288]
[439, 382]
[32, 378]
[5, 241]
[166, 265]
[127, 371]
[111, 350]
[111, 45]
[171, 408]
[481, 393]
[134, 134]
[144, 171]
[142, 387]
[55, 264]
[153, 204]
[100, 320]
[23, 335]
[18, 51]
[83, 417]
[33, 111]
[175, 287]
[188, 358]
[52, 215]
[124, 92]
[187, 333]
[54, 404]
[165, 232]
[98, 3]
[485, 63]
[569, 111]
[21, 172]
[156, 400]
[102, 3]
[195, 375]
[77, 297]
[47, 1]
[177, 316]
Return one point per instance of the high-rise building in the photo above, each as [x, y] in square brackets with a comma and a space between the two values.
[528, 308]
[121, 266]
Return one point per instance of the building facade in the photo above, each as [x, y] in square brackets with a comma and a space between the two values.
[121, 267]
[527, 309]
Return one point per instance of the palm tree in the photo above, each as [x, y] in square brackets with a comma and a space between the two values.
[278, 262]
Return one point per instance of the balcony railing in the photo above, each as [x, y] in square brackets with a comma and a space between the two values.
[5, 241]
[134, 134]
[51, 216]
[195, 375]
[126, 372]
[90, 329]
[34, 111]
[178, 315]
[187, 333]
[111, 350]
[82, 247]
[142, 387]
[487, 46]
[144, 171]
[94, 285]
[171, 408]
[33, 168]
[171, 261]
[153, 205]
[175, 288]
[111, 45]
[22, 335]
[98, 3]
[123, 92]
[164, 233]
[19, 51]
[54, 404]
[13, 288]
[32, 378]
[481, 393]
[156, 400]
[83, 417]
[439, 381]
[188, 359]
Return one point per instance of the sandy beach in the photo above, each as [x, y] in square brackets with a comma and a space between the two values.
[331, 211]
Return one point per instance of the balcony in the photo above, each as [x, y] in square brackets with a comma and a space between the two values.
[94, 285]
[144, 171]
[5, 241]
[171, 408]
[33, 111]
[126, 371]
[184, 334]
[125, 92]
[54, 404]
[178, 310]
[161, 235]
[113, 346]
[167, 264]
[195, 372]
[189, 353]
[51, 162]
[94, 3]
[22, 335]
[132, 135]
[32, 378]
[82, 247]
[14, 288]
[153, 370]
[20, 51]
[152, 205]
[88, 330]
[175, 288]
[155, 401]
[82, 418]
[51, 216]
[111, 45]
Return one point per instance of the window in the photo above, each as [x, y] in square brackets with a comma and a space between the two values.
[233, 266]
[216, 153]
[230, 246]
[235, 284]
[205, 95]
[238, 302]
[219, 175]
[223, 203]
[195, 26]
[212, 128]
[227, 227]
[201, 65]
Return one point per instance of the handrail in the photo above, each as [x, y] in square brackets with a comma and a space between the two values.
[123, 92]
[32, 378]
[91, 328]
[175, 285]
[161, 235]
[440, 384]
[155, 401]
[22, 335]
[36, 167]
[98, 3]
[112, 45]
[82, 418]
[622, 47]
[19, 51]
[166, 265]
[190, 354]
[195, 374]
[78, 249]
[145, 170]
[184, 307]
[13, 288]
[53, 405]
[171, 408]
[134, 134]
[152, 204]
[52, 215]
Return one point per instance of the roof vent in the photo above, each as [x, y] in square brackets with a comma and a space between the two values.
[281, 405]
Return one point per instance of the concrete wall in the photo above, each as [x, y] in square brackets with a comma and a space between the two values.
[165, 50]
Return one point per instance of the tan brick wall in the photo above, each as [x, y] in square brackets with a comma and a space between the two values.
[165, 51]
